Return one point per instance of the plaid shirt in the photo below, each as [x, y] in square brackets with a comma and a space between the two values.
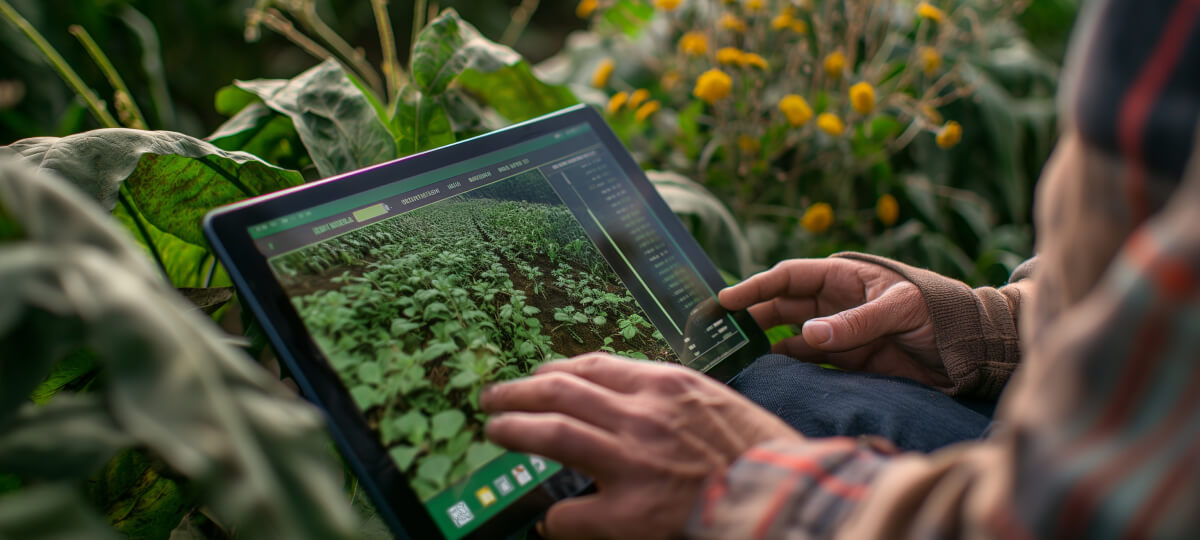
[1100, 427]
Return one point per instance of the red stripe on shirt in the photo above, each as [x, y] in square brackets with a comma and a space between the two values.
[785, 489]
[1177, 478]
[1083, 499]
[1139, 101]
[811, 466]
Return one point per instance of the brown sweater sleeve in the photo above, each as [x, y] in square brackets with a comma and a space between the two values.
[975, 329]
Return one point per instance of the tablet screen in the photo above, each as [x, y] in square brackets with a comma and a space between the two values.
[421, 291]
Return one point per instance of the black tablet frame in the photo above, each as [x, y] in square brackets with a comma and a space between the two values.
[227, 231]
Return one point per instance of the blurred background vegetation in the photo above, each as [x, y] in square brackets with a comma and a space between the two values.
[956, 202]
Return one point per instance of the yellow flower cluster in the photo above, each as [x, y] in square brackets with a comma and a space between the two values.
[862, 98]
[831, 124]
[639, 100]
[931, 60]
[796, 109]
[666, 5]
[925, 10]
[694, 43]
[786, 20]
[585, 8]
[949, 135]
[713, 86]
[755, 5]
[730, 21]
[615, 102]
[735, 56]
[835, 64]
[603, 72]
[818, 218]
[887, 209]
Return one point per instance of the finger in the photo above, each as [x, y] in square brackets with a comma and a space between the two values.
[783, 310]
[568, 440]
[613, 372]
[577, 517]
[898, 309]
[795, 277]
[556, 391]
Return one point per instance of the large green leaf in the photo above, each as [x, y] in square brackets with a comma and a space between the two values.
[251, 450]
[173, 178]
[420, 123]
[337, 123]
[52, 511]
[76, 428]
[451, 51]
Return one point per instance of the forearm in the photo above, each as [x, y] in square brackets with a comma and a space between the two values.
[976, 330]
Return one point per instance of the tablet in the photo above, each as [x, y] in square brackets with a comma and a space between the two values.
[394, 293]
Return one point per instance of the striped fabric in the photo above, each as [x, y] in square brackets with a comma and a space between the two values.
[1100, 425]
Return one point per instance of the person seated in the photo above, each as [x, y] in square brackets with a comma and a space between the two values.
[1098, 429]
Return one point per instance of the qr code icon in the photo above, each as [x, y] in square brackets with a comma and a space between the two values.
[460, 514]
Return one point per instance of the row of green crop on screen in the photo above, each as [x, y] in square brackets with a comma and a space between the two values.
[417, 313]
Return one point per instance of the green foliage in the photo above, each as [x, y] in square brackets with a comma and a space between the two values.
[335, 120]
[77, 293]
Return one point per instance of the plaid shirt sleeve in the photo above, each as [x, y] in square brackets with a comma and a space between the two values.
[1100, 426]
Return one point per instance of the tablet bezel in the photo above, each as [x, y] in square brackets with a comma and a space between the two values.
[227, 229]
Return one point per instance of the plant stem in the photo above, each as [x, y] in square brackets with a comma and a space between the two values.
[110, 72]
[94, 104]
[392, 72]
[308, 16]
[520, 19]
[418, 21]
[275, 20]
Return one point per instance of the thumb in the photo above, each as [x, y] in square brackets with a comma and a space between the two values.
[899, 309]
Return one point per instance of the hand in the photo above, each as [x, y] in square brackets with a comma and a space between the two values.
[855, 315]
[648, 434]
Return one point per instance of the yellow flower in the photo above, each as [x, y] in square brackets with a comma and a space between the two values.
[931, 60]
[638, 96]
[713, 86]
[817, 218]
[748, 144]
[585, 8]
[831, 124]
[729, 55]
[782, 21]
[799, 26]
[926, 10]
[796, 109]
[862, 98]
[835, 64]
[649, 108]
[617, 101]
[949, 135]
[730, 21]
[670, 79]
[751, 59]
[603, 73]
[666, 5]
[694, 43]
[755, 5]
[887, 209]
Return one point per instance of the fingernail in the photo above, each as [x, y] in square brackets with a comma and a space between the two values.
[541, 528]
[817, 332]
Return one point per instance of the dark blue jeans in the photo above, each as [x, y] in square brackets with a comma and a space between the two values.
[823, 402]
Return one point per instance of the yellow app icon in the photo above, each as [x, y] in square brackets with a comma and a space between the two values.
[485, 496]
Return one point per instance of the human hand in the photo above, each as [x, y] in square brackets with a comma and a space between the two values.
[855, 315]
[648, 434]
